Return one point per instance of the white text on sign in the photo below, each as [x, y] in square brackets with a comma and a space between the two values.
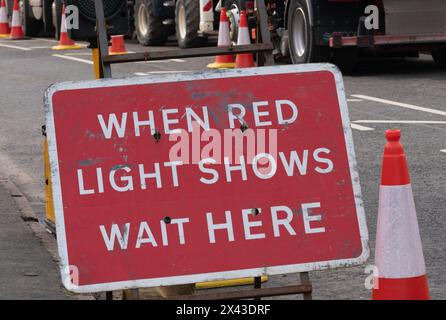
[118, 237]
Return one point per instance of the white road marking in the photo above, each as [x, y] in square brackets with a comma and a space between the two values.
[73, 58]
[158, 72]
[30, 40]
[354, 100]
[14, 47]
[444, 150]
[360, 128]
[400, 121]
[40, 47]
[400, 104]
[160, 61]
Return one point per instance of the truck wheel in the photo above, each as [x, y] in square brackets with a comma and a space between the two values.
[150, 30]
[301, 42]
[439, 56]
[187, 23]
[31, 26]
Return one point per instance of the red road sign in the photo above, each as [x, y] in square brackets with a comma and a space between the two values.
[141, 200]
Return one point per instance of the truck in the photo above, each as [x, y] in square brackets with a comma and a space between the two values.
[193, 21]
[306, 31]
[151, 21]
[302, 31]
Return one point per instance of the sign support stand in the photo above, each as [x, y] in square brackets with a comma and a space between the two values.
[263, 49]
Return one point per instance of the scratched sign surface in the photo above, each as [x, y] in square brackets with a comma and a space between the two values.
[152, 185]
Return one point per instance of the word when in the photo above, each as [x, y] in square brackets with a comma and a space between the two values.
[171, 118]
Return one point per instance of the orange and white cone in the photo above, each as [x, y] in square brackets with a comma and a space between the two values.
[4, 24]
[244, 60]
[224, 40]
[16, 24]
[398, 254]
[65, 43]
[117, 45]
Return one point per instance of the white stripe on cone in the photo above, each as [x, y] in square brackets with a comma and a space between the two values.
[223, 35]
[63, 24]
[3, 15]
[16, 19]
[398, 253]
[243, 37]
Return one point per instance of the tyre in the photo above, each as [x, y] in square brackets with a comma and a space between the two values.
[439, 56]
[149, 28]
[301, 39]
[31, 26]
[187, 23]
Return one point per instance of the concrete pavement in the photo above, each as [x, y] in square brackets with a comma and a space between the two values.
[27, 269]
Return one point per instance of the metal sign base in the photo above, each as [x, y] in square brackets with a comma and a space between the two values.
[257, 293]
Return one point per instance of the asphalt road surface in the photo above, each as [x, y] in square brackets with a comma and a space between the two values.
[409, 94]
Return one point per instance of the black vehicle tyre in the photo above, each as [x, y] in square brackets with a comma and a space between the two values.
[187, 23]
[439, 56]
[149, 28]
[31, 26]
[301, 39]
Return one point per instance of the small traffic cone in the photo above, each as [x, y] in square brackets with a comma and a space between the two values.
[16, 24]
[117, 45]
[398, 255]
[4, 24]
[65, 43]
[224, 40]
[244, 60]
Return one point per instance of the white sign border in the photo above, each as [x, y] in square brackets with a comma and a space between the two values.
[184, 279]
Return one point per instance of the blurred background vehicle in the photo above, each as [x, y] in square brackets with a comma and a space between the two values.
[303, 31]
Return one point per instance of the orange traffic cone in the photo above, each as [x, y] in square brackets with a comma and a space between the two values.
[4, 24]
[117, 45]
[65, 43]
[16, 24]
[244, 60]
[224, 40]
[398, 255]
